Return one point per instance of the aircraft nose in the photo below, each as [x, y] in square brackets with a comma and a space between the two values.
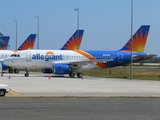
[8, 62]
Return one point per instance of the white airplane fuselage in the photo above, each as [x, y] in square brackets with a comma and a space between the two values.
[70, 61]
[47, 58]
[5, 54]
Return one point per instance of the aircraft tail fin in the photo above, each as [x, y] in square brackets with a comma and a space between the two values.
[4, 42]
[28, 43]
[138, 40]
[74, 42]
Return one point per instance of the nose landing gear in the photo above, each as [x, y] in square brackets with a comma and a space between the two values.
[27, 73]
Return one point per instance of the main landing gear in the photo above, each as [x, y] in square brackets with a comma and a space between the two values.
[79, 74]
[72, 74]
[15, 70]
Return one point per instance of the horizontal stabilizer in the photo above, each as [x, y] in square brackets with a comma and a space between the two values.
[144, 57]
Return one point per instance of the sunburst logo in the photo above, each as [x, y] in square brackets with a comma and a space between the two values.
[138, 41]
[29, 43]
[74, 42]
[49, 53]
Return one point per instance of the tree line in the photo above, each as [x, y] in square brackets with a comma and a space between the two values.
[152, 60]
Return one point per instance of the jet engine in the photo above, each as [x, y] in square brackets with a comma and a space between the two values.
[57, 69]
[61, 69]
[4, 66]
[47, 70]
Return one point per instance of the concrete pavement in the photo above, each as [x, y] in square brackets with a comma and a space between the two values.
[38, 84]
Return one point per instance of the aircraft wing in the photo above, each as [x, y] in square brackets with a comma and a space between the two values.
[80, 63]
[148, 56]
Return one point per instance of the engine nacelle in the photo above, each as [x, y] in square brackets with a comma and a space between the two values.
[58, 69]
[47, 70]
[4, 66]
[61, 69]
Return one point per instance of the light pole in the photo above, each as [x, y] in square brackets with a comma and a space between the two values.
[37, 31]
[16, 33]
[77, 9]
[131, 66]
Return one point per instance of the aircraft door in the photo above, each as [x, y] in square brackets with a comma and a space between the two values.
[28, 56]
[120, 57]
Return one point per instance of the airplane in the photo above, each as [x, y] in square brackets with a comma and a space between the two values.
[72, 61]
[73, 43]
[4, 42]
[27, 44]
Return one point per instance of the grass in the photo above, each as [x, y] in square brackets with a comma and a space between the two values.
[139, 72]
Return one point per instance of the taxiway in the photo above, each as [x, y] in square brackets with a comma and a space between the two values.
[38, 84]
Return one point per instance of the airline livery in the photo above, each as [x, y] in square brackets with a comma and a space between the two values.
[74, 42]
[72, 61]
[4, 42]
[4, 54]
[71, 44]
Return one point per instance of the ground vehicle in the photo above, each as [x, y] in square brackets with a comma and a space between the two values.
[3, 89]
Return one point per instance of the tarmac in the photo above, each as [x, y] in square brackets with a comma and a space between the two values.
[49, 85]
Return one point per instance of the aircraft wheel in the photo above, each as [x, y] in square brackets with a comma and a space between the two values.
[71, 74]
[79, 75]
[10, 70]
[2, 92]
[26, 74]
[16, 71]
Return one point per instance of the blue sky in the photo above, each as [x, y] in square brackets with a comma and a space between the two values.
[106, 23]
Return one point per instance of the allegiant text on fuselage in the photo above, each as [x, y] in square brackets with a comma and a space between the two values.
[48, 57]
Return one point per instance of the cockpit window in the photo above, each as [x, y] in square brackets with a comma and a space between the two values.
[15, 55]
[12, 55]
